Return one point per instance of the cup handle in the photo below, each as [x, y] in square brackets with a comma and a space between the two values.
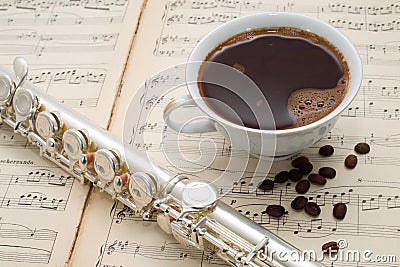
[204, 126]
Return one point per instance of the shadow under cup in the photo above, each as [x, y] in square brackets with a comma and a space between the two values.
[283, 142]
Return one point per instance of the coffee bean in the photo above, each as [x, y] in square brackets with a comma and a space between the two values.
[295, 175]
[306, 168]
[312, 209]
[327, 172]
[299, 203]
[282, 177]
[331, 246]
[266, 185]
[326, 150]
[275, 210]
[302, 186]
[339, 210]
[297, 162]
[351, 161]
[317, 179]
[362, 148]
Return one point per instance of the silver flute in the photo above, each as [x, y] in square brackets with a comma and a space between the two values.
[189, 210]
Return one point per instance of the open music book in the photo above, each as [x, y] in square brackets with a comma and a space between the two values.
[99, 57]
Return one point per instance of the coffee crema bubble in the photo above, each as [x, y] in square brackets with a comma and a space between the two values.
[302, 76]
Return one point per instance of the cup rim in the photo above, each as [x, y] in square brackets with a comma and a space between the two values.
[349, 97]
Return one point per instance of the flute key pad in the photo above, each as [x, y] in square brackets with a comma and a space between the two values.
[46, 124]
[74, 143]
[6, 88]
[106, 163]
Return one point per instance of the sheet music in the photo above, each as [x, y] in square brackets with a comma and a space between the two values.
[77, 52]
[168, 32]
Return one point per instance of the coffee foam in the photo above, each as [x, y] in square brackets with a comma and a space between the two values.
[310, 105]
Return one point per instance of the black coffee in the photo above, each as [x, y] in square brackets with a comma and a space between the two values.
[301, 75]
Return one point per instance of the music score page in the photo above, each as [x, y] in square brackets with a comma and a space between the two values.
[168, 32]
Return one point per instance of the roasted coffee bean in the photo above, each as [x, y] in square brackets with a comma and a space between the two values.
[317, 179]
[300, 161]
[362, 148]
[339, 211]
[275, 210]
[299, 203]
[295, 175]
[282, 177]
[326, 150]
[266, 185]
[302, 186]
[327, 172]
[306, 168]
[331, 246]
[351, 161]
[312, 209]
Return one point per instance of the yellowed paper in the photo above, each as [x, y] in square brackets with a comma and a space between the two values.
[168, 32]
[76, 51]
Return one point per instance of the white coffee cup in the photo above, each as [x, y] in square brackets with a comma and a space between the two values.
[269, 143]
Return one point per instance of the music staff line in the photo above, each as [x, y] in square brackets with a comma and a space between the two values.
[65, 4]
[55, 80]
[15, 143]
[343, 24]
[367, 15]
[376, 10]
[38, 256]
[167, 251]
[34, 201]
[19, 13]
[80, 103]
[27, 42]
[19, 231]
[37, 178]
[75, 103]
[92, 79]
[68, 76]
[58, 18]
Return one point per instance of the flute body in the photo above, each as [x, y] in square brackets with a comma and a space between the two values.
[189, 210]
